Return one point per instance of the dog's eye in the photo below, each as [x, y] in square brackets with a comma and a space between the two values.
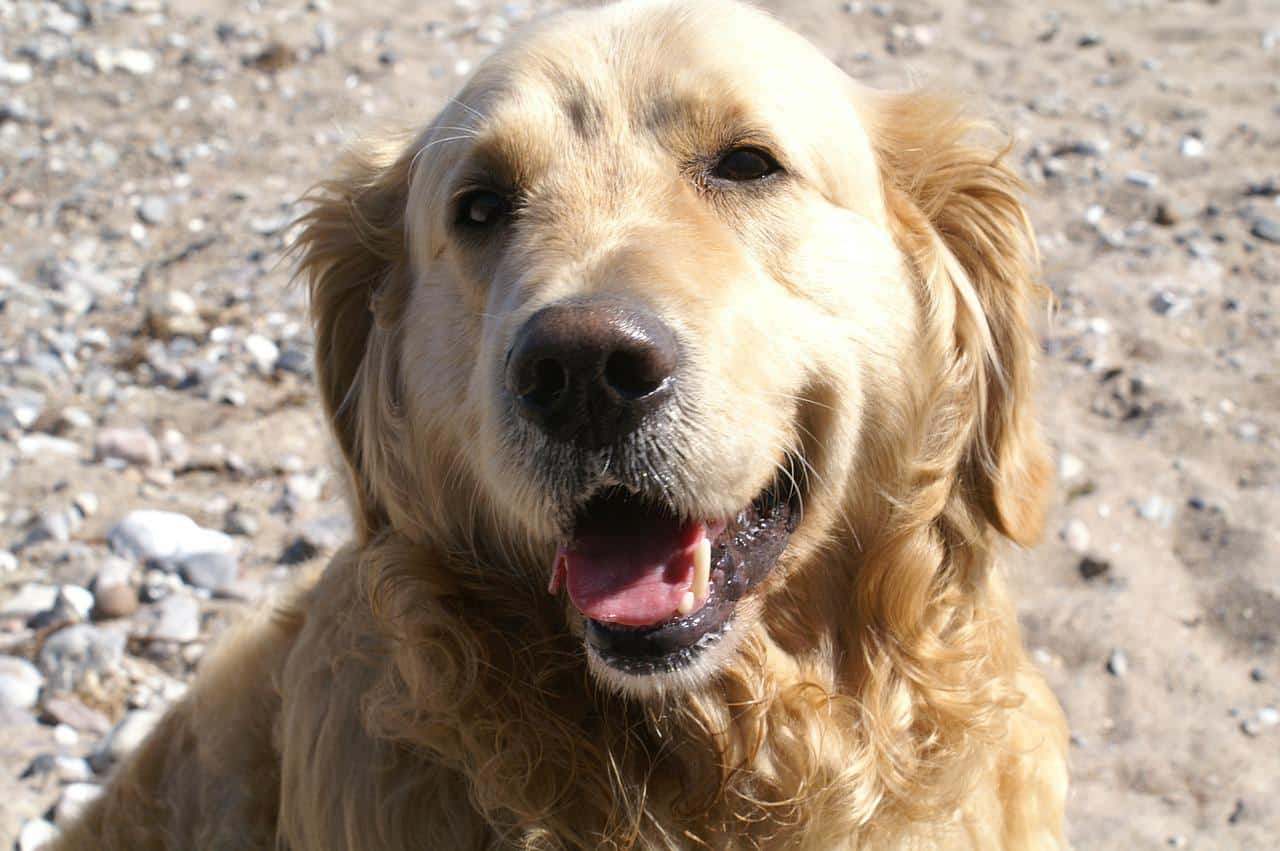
[482, 208]
[743, 164]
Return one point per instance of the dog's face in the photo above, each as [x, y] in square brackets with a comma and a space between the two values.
[650, 301]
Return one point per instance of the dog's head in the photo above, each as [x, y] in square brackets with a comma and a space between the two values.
[662, 306]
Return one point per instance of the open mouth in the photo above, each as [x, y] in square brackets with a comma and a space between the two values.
[657, 590]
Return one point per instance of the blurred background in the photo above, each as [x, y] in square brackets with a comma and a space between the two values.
[163, 464]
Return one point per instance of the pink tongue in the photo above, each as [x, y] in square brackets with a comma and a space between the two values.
[627, 569]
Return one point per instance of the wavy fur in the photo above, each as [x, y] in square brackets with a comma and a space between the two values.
[422, 692]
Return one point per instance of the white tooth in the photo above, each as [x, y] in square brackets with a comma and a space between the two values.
[686, 603]
[701, 569]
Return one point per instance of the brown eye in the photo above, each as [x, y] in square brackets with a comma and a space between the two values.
[482, 208]
[743, 164]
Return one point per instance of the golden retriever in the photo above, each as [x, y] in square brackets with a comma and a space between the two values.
[667, 316]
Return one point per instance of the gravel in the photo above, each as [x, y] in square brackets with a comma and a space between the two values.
[156, 368]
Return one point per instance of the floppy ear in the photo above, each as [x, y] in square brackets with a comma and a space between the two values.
[956, 212]
[352, 254]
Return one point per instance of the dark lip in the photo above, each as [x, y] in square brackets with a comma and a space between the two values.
[741, 557]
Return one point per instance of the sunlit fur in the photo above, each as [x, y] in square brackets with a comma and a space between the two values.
[867, 315]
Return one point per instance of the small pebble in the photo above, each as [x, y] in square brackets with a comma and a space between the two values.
[154, 210]
[73, 801]
[1117, 663]
[36, 834]
[132, 445]
[20, 682]
[1142, 179]
[1091, 567]
[1076, 536]
[176, 619]
[1267, 229]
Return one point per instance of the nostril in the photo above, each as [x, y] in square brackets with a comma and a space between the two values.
[545, 381]
[633, 375]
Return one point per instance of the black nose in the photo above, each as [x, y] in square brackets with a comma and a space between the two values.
[588, 372]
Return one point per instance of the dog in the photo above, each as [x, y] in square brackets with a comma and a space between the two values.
[684, 388]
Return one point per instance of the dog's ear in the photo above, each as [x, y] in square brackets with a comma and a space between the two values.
[955, 209]
[352, 254]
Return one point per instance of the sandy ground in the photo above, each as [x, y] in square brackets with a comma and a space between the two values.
[150, 154]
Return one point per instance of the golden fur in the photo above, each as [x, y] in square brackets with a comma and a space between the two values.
[868, 315]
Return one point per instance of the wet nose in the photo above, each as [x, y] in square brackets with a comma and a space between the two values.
[588, 372]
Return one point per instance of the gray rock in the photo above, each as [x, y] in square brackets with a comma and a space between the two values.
[1142, 179]
[176, 618]
[211, 571]
[240, 522]
[19, 407]
[326, 37]
[63, 769]
[1268, 229]
[1261, 721]
[1167, 303]
[75, 798]
[165, 536]
[316, 536]
[1118, 663]
[20, 682]
[1157, 510]
[54, 525]
[133, 445]
[125, 737]
[294, 360]
[72, 654]
[154, 210]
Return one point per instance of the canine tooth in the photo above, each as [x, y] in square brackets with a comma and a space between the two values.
[701, 569]
[687, 603]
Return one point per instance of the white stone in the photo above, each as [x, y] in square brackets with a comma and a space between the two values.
[36, 834]
[1076, 536]
[1069, 466]
[14, 73]
[75, 798]
[31, 598]
[44, 445]
[20, 682]
[165, 536]
[263, 353]
[79, 600]
[129, 733]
